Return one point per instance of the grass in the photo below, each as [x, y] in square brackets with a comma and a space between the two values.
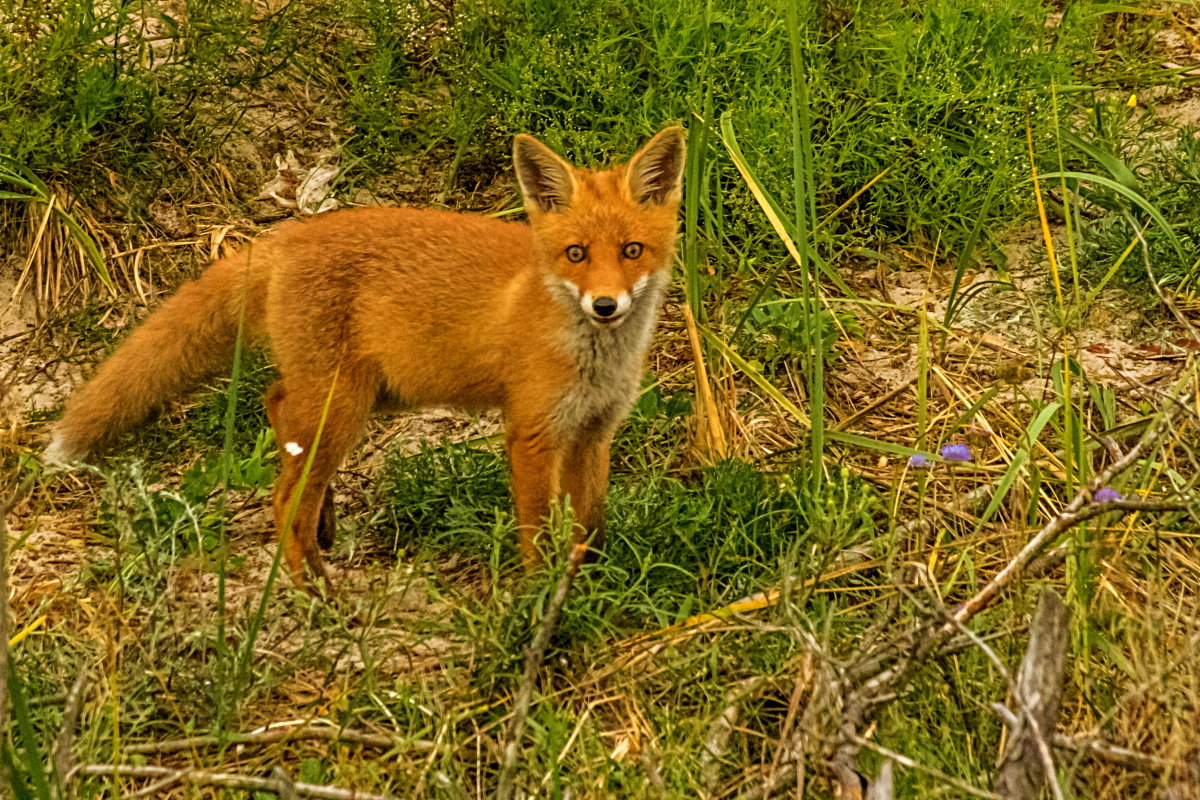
[853, 167]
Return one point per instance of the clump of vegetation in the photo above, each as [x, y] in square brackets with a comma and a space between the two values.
[668, 542]
[1140, 219]
[114, 86]
[937, 94]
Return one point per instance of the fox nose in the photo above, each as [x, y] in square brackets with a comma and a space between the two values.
[604, 306]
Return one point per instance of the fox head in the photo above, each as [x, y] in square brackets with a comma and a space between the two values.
[604, 237]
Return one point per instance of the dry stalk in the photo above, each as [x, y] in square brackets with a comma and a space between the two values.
[534, 655]
[710, 436]
[202, 777]
[309, 733]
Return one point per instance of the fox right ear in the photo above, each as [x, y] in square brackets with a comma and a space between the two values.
[547, 182]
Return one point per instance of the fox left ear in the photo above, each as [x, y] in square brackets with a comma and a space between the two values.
[655, 173]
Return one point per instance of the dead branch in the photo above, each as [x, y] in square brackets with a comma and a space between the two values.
[1027, 763]
[1080, 509]
[533, 662]
[287, 786]
[308, 733]
[718, 737]
[231, 780]
[1107, 751]
[882, 788]
[64, 745]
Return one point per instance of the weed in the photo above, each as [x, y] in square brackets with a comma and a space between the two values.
[782, 332]
[1165, 173]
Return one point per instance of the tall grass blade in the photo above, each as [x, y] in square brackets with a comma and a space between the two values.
[1133, 196]
[1018, 462]
[29, 761]
[260, 614]
[805, 209]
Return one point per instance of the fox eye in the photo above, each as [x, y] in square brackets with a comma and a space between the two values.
[576, 253]
[632, 250]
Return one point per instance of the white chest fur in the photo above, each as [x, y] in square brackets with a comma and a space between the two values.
[609, 362]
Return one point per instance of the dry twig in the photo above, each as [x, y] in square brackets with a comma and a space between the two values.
[309, 733]
[533, 662]
[1114, 754]
[855, 693]
[203, 777]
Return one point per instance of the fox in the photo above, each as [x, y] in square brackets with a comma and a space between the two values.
[376, 309]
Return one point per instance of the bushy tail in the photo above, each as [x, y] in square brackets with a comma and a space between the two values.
[189, 339]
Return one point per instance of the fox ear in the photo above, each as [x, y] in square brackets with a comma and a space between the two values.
[655, 173]
[547, 182]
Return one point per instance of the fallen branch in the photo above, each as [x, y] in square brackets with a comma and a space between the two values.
[1080, 509]
[308, 733]
[1106, 751]
[64, 745]
[715, 743]
[231, 780]
[1027, 763]
[858, 690]
[533, 662]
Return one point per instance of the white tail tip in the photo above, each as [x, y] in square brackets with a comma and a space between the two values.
[58, 454]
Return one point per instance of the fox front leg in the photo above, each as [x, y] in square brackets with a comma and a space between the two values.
[585, 483]
[535, 462]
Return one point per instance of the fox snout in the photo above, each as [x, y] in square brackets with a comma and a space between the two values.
[608, 306]
[606, 309]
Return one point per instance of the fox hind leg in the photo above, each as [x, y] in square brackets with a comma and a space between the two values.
[304, 517]
[327, 522]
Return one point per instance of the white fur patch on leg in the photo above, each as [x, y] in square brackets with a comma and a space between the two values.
[293, 449]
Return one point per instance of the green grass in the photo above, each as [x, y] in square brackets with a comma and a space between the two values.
[670, 543]
[939, 92]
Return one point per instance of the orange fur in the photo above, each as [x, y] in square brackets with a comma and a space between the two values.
[425, 307]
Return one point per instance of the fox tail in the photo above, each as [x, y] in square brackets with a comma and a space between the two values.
[189, 339]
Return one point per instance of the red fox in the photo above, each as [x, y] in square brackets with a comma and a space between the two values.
[548, 321]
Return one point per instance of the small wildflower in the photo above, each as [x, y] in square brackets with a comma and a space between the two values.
[293, 448]
[918, 461]
[956, 452]
[1105, 495]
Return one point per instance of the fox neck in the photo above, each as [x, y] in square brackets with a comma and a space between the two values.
[592, 344]
[608, 359]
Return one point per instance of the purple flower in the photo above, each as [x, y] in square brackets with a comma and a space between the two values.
[918, 461]
[1105, 495]
[956, 452]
